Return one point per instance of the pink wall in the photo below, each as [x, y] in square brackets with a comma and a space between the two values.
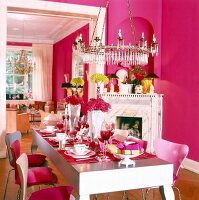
[147, 19]
[176, 28]
[179, 77]
[62, 62]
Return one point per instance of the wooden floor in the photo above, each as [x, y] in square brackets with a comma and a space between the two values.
[188, 182]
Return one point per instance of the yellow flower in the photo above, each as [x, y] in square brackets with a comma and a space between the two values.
[99, 78]
[77, 81]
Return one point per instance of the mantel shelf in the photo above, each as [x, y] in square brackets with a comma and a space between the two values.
[155, 95]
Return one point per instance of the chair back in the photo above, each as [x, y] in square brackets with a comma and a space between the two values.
[9, 139]
[172, 152]
[22, 166]
[15, 150]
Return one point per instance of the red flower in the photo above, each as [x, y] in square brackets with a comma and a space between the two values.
[98, 104]
[74, 100]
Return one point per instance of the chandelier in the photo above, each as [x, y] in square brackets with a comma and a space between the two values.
[135, 53]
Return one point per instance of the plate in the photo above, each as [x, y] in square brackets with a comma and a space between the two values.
[47, 131]
[80, 153]
[74, 155]
[122, 74]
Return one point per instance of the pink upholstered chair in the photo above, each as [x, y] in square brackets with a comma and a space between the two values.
[36, 175]
[58, 193]
[33, 159]
[172, 152]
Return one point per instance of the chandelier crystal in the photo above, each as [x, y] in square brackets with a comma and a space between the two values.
[96, 52]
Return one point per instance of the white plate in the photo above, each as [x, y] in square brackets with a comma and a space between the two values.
[47, 131]
[122, 74]
[79, 153]
[90, 153]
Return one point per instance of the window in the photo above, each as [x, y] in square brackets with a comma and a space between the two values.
[18, 74]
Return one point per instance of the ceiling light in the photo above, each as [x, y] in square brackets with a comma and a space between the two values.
[135, 53]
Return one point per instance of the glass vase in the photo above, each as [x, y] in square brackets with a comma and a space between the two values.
[74, 114]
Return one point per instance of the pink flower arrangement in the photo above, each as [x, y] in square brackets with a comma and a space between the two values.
[98, 104]
[73, 100]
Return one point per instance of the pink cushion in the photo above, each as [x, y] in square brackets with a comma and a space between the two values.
[36, 159]
[58, 193]
[39, 175]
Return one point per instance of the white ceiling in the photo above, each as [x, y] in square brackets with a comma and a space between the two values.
[34, 28]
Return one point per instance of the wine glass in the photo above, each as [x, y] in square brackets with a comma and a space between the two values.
[110, 126]
[60, 126]
[105, 134]
[82, 128]
[72, 136]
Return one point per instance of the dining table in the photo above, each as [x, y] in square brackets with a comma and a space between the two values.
[91, 176]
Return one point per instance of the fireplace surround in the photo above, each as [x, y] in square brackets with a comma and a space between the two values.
[145, 106]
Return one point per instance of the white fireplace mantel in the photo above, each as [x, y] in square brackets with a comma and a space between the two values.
[146, 106]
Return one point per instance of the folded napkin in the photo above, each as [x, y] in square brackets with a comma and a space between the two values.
[52, 142]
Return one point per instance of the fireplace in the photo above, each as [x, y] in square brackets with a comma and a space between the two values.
[132, 124]
[147, 107]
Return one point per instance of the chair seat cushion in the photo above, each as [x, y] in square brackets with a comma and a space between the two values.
[39, 175]
[36, 160]
[58, 193]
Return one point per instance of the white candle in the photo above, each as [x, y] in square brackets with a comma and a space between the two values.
[120, 33]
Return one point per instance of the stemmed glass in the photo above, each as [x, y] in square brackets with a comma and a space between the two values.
[110, 126]
[105, 134]
[60, 126]
[82, 128]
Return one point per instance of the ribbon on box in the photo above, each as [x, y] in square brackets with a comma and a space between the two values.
[134, 146]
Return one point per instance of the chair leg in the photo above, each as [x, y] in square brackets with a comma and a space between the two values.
[19, 193]
[125, 195]
[95, 197]
[179, 194]
[143, 194]
[146, 193]
[4, 195]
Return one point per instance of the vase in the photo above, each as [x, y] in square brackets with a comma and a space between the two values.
[74, 114]
[95, 119]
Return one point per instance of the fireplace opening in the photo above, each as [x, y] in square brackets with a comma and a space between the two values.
[132, 124]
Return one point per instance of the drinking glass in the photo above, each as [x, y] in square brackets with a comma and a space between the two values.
[104, 137]
[60, 126]
[82, 128]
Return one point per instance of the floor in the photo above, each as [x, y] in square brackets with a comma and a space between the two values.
[188, 182]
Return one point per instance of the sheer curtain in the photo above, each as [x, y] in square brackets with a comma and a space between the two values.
[42, 56]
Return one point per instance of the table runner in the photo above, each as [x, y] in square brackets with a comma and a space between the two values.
[91, 159]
